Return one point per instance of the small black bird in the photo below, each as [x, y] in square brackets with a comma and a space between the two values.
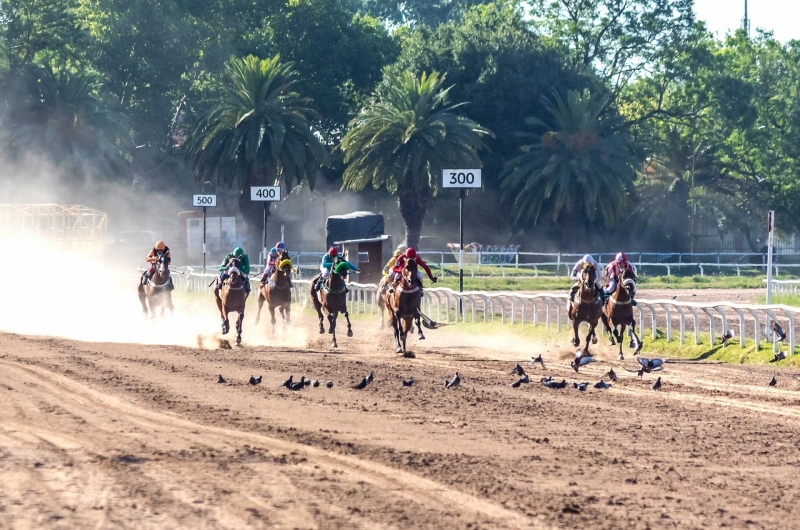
[602, 385]
[546, 379]
[370, 377]
[221, 379]
[329, 384]
[781, 355]
[728, 335]
[612, 375]
[516, 384]
[300, 385]
[674, 296]
[581, 361]
[640, 373]
[778, 330]
[651, 365]
[525, 379]
[553, 384]
[773, 381]
[518, 370]
[288, 382]
[657, 384]
[315, 383]
[797, 377]
[454, 382]
[580, 386]
[408, 382]
[307, 381]
[362, 385]
[255, 380]
[536, 360]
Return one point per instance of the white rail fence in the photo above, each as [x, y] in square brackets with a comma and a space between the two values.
[678, 320]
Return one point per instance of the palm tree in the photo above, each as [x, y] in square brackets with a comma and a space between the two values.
[578, 163]
[65, 118]
[404, 139]
[258, 133]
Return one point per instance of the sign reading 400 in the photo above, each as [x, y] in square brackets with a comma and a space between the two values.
[461, 178]
[265, 193]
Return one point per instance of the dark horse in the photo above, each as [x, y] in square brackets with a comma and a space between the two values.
[403, 303]
[277, 293]
[231, 297]
[588, 308]
[156, 292]
[618, 313]
[332, 298]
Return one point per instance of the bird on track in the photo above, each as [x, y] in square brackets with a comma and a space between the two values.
[773, 381]
[640, 373]
[221, 379]
[329, 384]
[518, 370]
[454, 382]
[580, 386]
[612, 375]
[408, 382]
[307, 381]
[255, 380]
[536, 360]
[797, 376]
[657, 384]
[781, 355]
[524, 380]
[299, 385]
[288, 382]
[581, 361]
[370, 377]
[778, 330]
[315, 383]
[674, 296]
[546, 379]
[602, 385]
[651, 365]
[362, 385]
[553, 384]
[728, 335]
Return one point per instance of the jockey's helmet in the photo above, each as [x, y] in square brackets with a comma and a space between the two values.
[333, 252]
[160, 245]
[401, 248]
[621, 257]
[280, 245]
[238, 252]
[411, 253]
[273, 251]
[588, 258]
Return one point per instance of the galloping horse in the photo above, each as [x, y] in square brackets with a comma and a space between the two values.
[618, 313]
[277, 294]
[333, 299]
[403, 304]
[156, 292]
[231, 298]
[588, 309]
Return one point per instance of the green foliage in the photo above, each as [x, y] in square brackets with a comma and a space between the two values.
[419, 12]
[404, 139]
[578, 165]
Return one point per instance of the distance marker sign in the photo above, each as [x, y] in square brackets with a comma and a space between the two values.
[265, 193]
[204, 200]
[461, 178]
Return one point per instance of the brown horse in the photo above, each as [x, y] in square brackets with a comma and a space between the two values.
[231, 297]
[618, 313]
[403, 303]
[156, 292]
[278, 294]
[332, 298]
[588, 308]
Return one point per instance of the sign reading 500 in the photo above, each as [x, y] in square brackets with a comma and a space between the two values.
[461, 178]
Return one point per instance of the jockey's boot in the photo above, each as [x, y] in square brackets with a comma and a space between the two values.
[170, 285]
[633, 302]
[572, 292]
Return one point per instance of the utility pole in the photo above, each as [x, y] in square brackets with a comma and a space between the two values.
[746, 21]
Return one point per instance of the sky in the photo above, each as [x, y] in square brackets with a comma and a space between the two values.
[782, 17]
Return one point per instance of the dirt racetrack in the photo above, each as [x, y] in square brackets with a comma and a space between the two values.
[103, 435]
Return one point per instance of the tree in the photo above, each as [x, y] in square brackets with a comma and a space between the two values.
[419, 12]
[257, 133]
[578, 164]
[404, 139]
[65, 118]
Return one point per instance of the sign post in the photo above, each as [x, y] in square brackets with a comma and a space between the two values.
[462, 179]
[206, 201]
[770, 242]
[265, 194]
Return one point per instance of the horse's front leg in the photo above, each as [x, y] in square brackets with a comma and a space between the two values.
[143, 300]
[589, 337]
[636, 342]
[287, 321]
[619, 331]
[349, 327]
[576, 341]
[273, 320]
[395, 323]
[332, 330]
[418, 319]
[261, 300]
[239, 327]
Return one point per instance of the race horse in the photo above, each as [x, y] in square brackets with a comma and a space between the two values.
[618, 313]
[403, 303]
[231, 297]
[277, 293]
[588, 308]
[156, 292]
[332, 299]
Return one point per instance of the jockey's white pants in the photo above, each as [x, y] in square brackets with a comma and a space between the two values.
[395, 276]
[326, 271]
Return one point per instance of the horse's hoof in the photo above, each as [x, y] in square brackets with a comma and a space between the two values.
[334, 345]
[421, 336]
[632, 344]
[257, 321]
[398, 350]
[321, 330]
[349, 332]
[594, 340]
[621, 357]
[409, 355]
[576, 343]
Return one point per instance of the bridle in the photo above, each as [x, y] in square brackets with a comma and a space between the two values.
[588, 278]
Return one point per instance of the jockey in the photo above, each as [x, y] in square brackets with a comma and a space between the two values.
[387, 270]
[155, 253]
[273, 259]
[410, 253]
[614, 269]
[244, 267]
[330, 260]
[576, 275]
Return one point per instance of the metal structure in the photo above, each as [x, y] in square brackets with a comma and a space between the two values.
[67, 226]
[746, 20]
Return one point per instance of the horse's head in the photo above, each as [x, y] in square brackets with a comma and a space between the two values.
[161, 265]
[234, 270]
[589, 274]
[628, 281]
